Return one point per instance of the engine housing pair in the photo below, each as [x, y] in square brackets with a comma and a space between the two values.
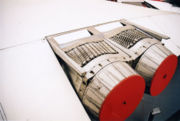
[111, 70]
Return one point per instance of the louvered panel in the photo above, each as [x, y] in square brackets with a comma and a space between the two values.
[86, 52]
[128, 38]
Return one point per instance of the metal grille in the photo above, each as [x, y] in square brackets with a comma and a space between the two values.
[128, 38]
[84, 53]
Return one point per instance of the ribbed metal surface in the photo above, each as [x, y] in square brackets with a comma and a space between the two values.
[150, 61]
[128, 38]
[103, 83]
[84, 53]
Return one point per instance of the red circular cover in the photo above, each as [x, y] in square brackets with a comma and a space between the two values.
[122, 99]
[163, 75]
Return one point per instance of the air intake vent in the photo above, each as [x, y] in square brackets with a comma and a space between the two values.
[128, 38]
[86, 52]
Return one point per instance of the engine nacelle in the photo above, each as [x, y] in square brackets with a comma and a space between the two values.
[107, 69]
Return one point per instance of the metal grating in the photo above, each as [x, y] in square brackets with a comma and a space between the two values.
[129, 37]
[86, 52]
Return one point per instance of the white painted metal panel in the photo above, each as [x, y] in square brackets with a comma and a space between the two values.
[34, 87]
[28, 20]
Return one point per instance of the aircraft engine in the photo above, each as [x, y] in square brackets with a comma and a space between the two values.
[157, 65]
[107, 69]
[152, 59]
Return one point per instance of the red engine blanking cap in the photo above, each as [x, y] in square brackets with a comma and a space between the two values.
[163, 75]
[123, 99]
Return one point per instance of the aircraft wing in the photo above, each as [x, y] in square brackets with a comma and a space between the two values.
[33, 85]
